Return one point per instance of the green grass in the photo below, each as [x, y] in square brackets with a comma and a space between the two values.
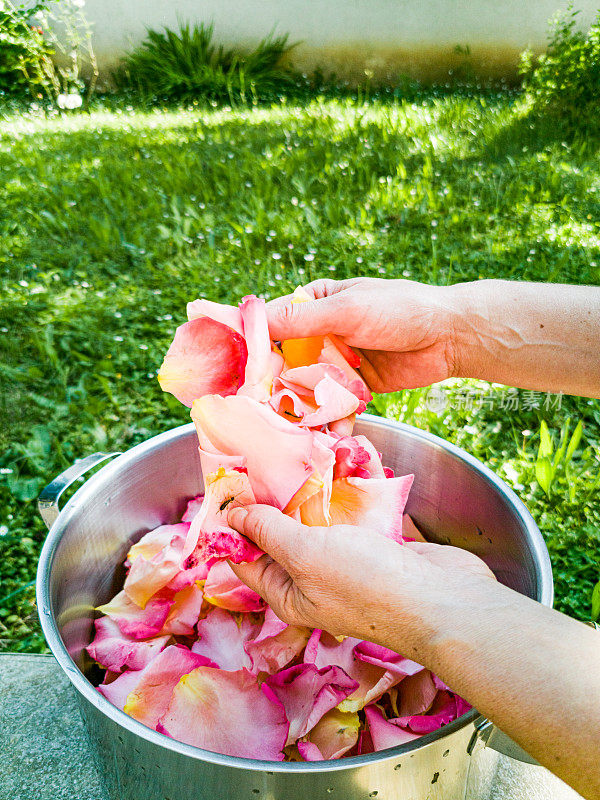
[110, 222]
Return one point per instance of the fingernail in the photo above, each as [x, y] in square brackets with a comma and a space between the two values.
[236, 516]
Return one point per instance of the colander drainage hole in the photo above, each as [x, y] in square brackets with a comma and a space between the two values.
[436, 775]
[398, 766]
[374, 793]
[445, 754]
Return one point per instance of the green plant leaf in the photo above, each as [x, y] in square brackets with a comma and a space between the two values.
[543, 474]
[560, 450]
[546, 443]
[596, 602]
[574, 443]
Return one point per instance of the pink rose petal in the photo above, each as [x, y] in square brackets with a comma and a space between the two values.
[212, 462]
[134, 621]
[386, 659]
[168, 666]
[373, 465]
[277, 452]
[313, 499]
[210, 536]
[223, 588]
[345, 350]
[323, 650]
[149, 698]
[226, 315]
[184, 612]
[222, 639]
[310, 751]
[349, 454]
[374, 504]
[318, 393]
[331, 355]
[152, 568]
[416, 694]
[410, 531]
[343, 427]
[461, 706]
[153, 542]
[364, 744]
[334, 402]
[114, 651]
[206, 357]
[226, 712]
[440, 683]
[259, 369]
[194, 505]
[385, 733]
[193, 573]
[444, 710]
[307, 693]
[334, 734]
[116, 691]
[276, 644]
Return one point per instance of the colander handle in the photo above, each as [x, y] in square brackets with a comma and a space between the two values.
[49, 497]
[488, 735]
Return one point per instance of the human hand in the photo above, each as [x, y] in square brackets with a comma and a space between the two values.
[355, 582]
[404, 330]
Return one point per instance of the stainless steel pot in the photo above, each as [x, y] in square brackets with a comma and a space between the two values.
[455, 499]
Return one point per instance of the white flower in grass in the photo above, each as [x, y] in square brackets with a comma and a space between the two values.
[70, 101]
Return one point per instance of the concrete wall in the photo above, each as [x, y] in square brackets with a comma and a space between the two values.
[384, 37]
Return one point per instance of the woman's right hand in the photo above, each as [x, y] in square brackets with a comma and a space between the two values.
[352, 581]
[403, 330]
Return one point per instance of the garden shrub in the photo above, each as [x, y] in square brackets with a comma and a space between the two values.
[31, 36]
[186, 64]
[24, 53]
[565, 80]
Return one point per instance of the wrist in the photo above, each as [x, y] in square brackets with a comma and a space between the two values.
[470, 323]
[466, 617]
[442, 622]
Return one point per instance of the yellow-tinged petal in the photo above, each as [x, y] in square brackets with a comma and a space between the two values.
[302, 352]
[312, 487]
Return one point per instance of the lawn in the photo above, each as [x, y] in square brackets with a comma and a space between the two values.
[110, 222]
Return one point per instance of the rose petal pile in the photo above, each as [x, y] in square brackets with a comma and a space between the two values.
[192, 652]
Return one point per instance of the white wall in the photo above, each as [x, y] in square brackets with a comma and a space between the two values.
[387, 37]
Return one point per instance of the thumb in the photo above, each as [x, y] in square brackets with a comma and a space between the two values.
[274, 532]
[288, 320]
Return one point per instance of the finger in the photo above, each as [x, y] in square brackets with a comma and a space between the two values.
[423, 548]
[326, 314]
[274, 532]
[270, 580]
[265, 577]
[369, 371]
[316, 289]
[323, 287]
[326, 287]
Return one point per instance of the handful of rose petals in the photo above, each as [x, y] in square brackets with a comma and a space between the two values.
[192, 652]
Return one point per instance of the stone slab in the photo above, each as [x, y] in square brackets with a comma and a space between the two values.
[43, 746]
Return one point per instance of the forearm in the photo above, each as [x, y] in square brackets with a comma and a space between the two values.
[537, 336]
[532, 671]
